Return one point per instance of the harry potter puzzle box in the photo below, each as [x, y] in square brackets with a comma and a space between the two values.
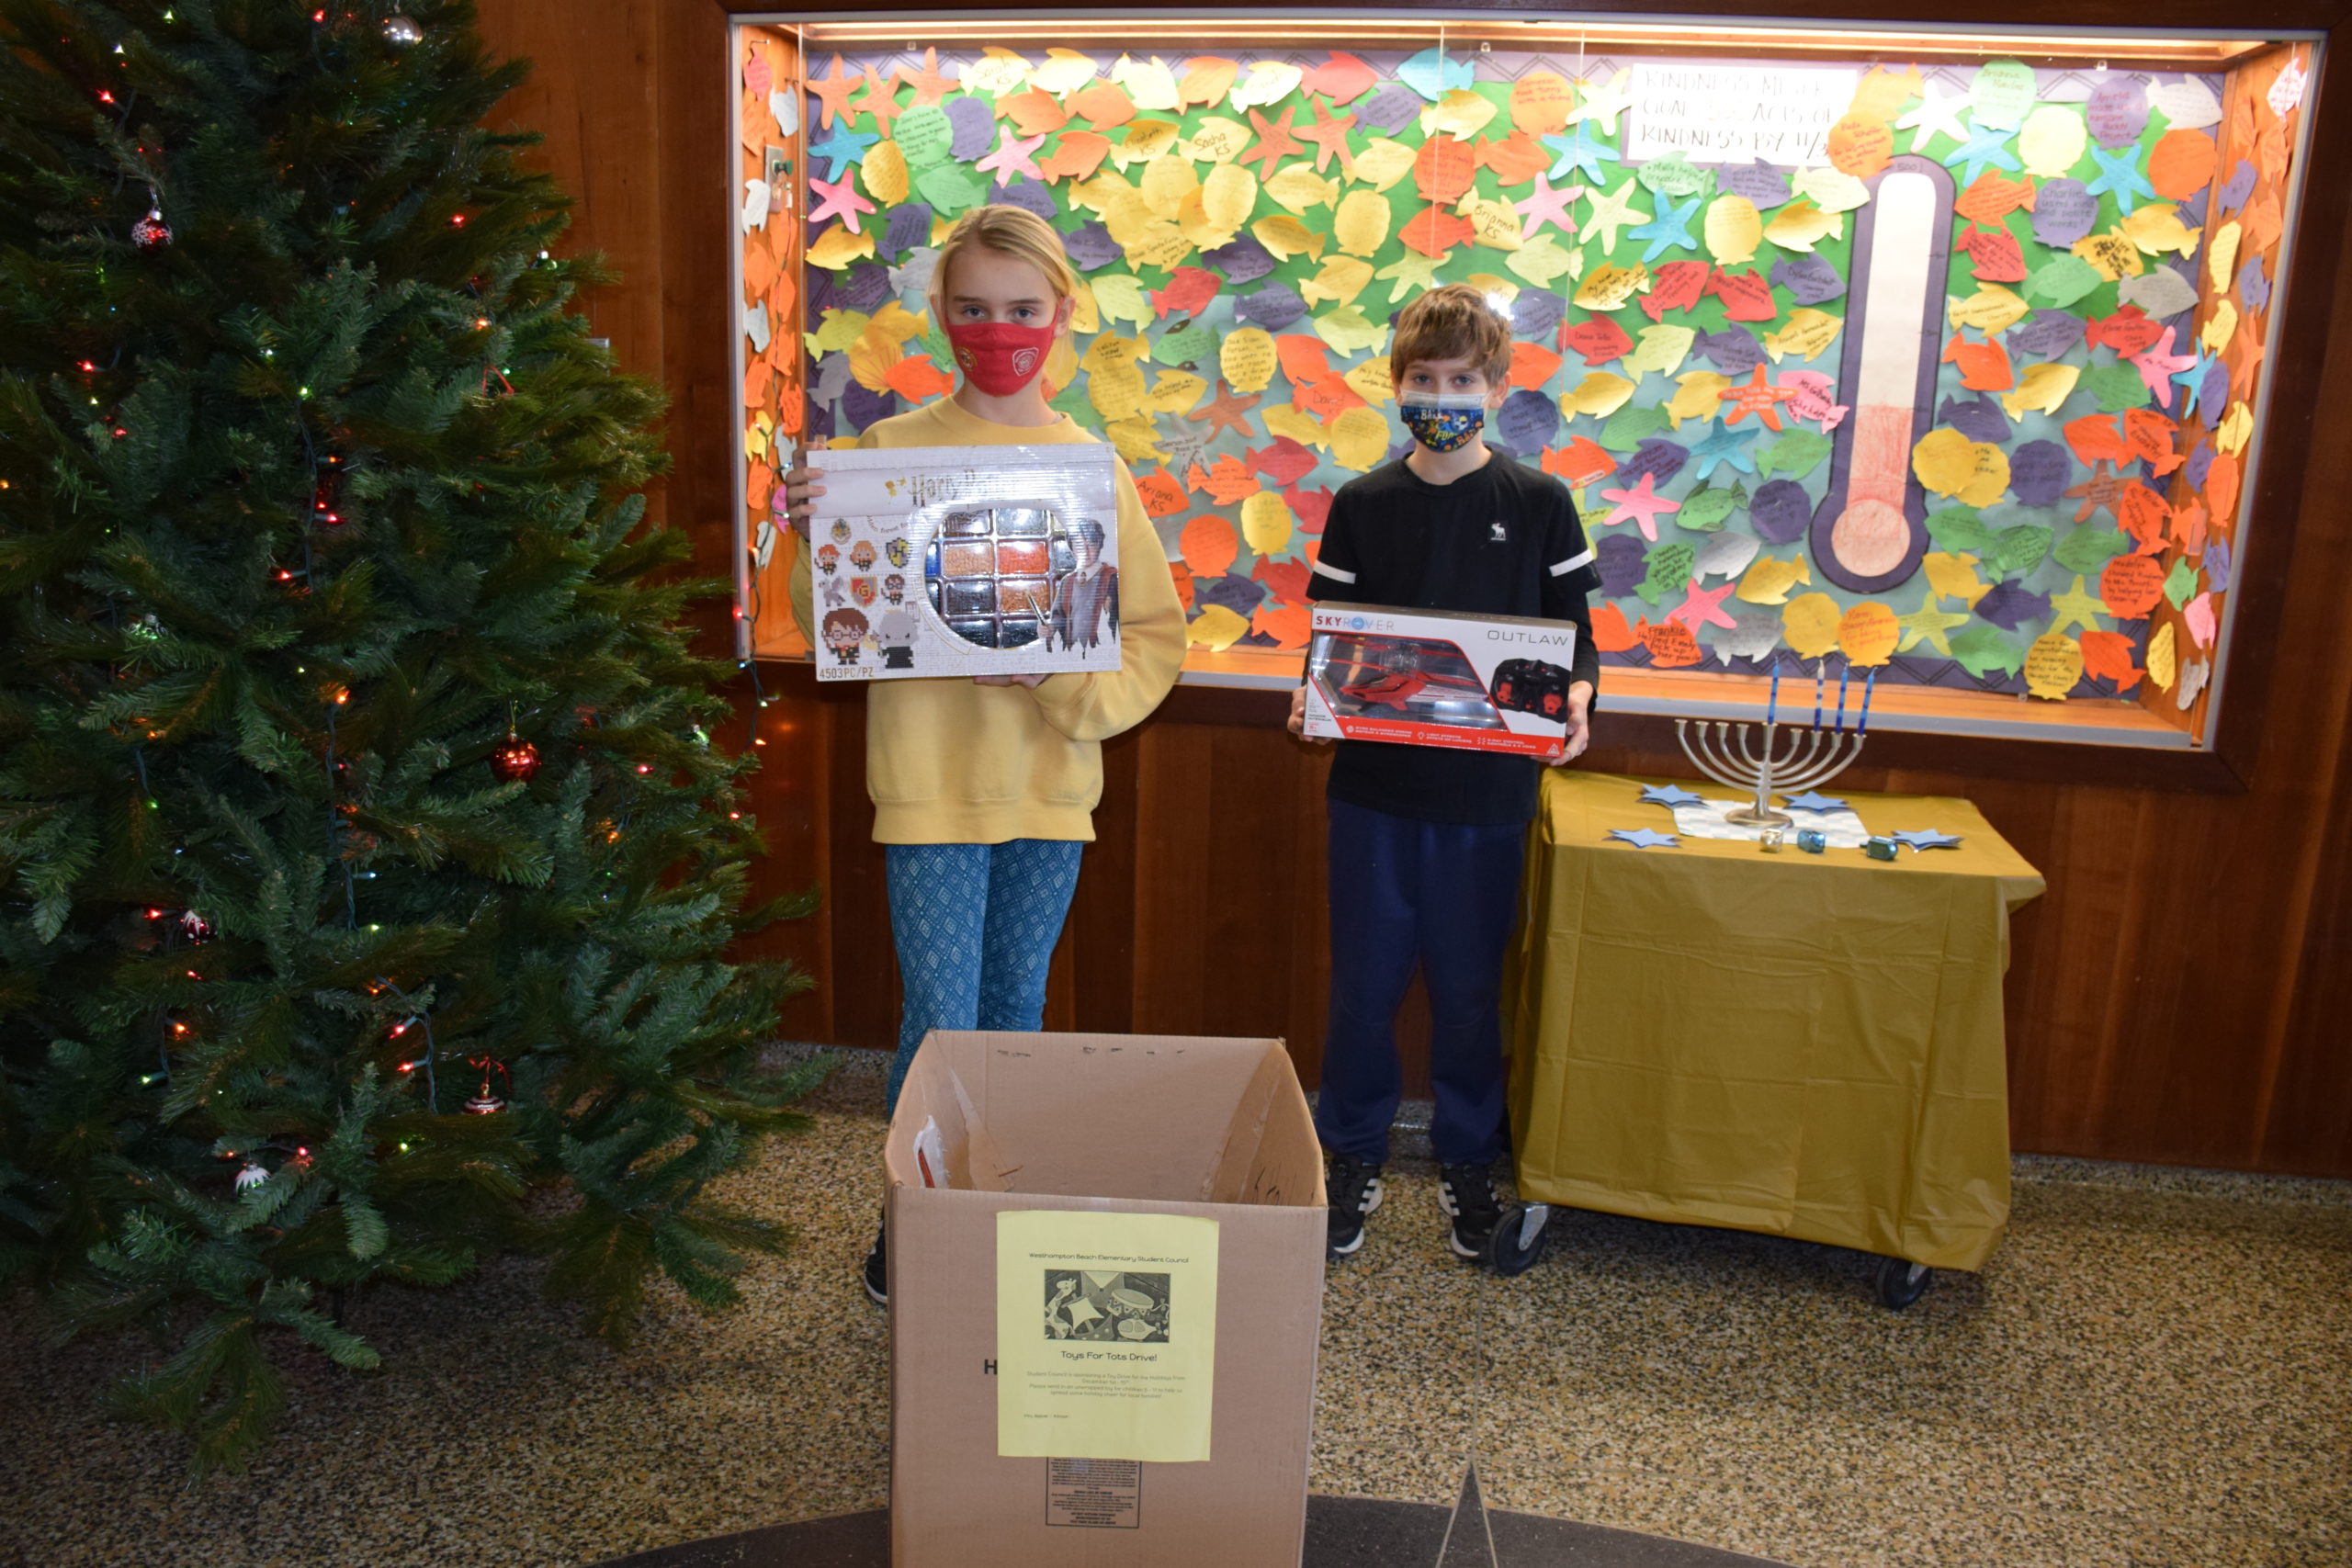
[966, 561]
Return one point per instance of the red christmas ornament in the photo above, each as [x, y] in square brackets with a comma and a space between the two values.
[150, 231]
[487, 1101]
[515, 758]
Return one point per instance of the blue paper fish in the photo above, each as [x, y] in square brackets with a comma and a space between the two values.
[1431, 75]
[1733, 350]
[1273, 307]
[1244, 260]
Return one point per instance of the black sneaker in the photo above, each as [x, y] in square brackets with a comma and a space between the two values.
[1466, 1193]
[1354, 1189]
[877, 1268]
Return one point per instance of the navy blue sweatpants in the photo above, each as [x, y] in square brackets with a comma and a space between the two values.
[1444, 896]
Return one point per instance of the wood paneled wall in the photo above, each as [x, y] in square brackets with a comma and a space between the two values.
[2183, 994]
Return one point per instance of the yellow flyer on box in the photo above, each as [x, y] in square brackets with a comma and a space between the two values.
[1106, 1335]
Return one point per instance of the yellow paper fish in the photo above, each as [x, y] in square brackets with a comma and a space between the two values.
[1218, 141]
[1109, 351]
[1411, 270]
[838, 247]
[870, 358]
[1954, 577]
[1266, 82]
[1288, 419]
[1193, 221]
[998, 72]
[1734, 230]
[1608, 287]
[1348, 331]
[1342, 280]
[1544, 258]
[1497, 221]
[1299, 187]
[2112, 254]
[1663, 348]
[1808, 331]
[1065, 71]
[1801, 225]
[2041, 387]
[1361, 224]
[897, 323]
[1287, 237]
[2221, 258]
[1136, 439]
[1460, 113]
[1768, 581]
[1151, 84]
[885, 172]
[1142, 141]
[1383, 163]
[1166, 181]
[1175, 392]
[2235, 431]
[1227, 196]
[1600, 394]
[1215, 628]
[1700, 396]
[2163, 657]
[837, 330]
[1372, 382]
[1832, 190]
[1809, 624]
[1121, 298]
[2155, 229]
[1991, 309]
[2220, 327]
[1247, 357]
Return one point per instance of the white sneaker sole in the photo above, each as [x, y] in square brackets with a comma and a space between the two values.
[1372, 1205]
[1452, 1236]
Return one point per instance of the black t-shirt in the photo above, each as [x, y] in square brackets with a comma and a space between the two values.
[1503, 540]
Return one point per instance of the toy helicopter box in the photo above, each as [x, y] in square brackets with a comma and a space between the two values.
[965, 560]
[1436, 678]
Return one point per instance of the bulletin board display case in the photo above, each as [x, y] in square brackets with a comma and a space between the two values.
[1927, 365]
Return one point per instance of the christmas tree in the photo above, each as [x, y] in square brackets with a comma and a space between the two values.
[366, 866]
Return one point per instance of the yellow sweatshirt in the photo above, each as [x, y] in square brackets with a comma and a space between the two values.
[951, 762]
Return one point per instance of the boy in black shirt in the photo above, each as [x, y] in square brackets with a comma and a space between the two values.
[1426, 844]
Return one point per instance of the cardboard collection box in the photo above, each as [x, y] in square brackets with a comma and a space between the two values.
[965, 560]
[1106, 1276]
[1436, 678]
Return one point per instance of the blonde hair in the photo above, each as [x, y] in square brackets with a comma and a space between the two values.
[1453, 321]
[1011, 230]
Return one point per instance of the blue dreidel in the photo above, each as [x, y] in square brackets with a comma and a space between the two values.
[1880, 849]
[1813, 841]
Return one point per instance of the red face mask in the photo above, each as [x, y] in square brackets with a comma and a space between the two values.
[1000, 357]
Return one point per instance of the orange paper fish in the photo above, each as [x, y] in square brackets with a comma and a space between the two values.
[1579, 463]
[2108, 656]
[1599, 340]
[1433, 232]
[1984, 367]
[1991, 198]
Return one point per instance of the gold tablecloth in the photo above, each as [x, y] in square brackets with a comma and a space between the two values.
[1805, 1046]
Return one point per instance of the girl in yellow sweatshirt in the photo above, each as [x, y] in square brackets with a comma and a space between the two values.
[984, 790]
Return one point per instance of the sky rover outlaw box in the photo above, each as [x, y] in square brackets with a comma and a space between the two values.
[1434, 678]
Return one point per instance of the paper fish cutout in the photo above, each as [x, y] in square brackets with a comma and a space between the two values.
[2043, 388]
[2011, 605]
[1989, 198]
[1806, 335]
[1663, 349]
[1801, 225]
[1608, 287]
[1273, 307]
[1189, 288]
[1733, 351]
[1599, 395]
[1984, 367]
[1991, 309]
[1699, 398]
[1810, 399]
[1745, 296]
[1768, 581]
[2157, 230]
[1434, 233]
[1706, 509]
[1287, 237]
[1810, 280]
[1676, 286]
[1725, 555]
[1581, 462]
[1980, 419]
[2108, 656]
[1599, 340]
[2161, 292]
[1993, 255]
[2048, 335]
[1832, 190]
[1797, 453]
[1431, 75]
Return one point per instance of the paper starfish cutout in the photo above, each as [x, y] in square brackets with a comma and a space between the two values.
[1642, 504]
[841, 148]
[929, 84]
[1929, 624]
[1936, 116]
[1703, 607]
[1550, 204]
[1579, 153]
[1610, 213]
[1813, 801]
[1275, 143]
[2101, 490]
[1926, 838]
[1758, 397]
[1601, 104]
[1411, 270]
[1671, 226]
[2119, 172]
[1011, 157]
[2157, 364]
[838, 199]
[1725, 445]
[1328, 136]
[1670, 794]
[1986, 144]
[1643, 838]
[2190, 379]
[832, 94]
[1228, 410]
[881, 101]
[2074, 608]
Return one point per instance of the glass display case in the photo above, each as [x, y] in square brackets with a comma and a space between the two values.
[1929, 364]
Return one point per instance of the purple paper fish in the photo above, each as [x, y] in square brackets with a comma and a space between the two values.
[1090, 245]
[1273, 307]
[1030, 197]
[1243, 260]
[2253, 286]
[1390, 109]
[2039, 472]
[1528, 420]
[2217, 565]
[1779, 512]
[2011, 604]
[1236, 593]
[861, 407]
[865, 285]
[2194, 469]
[1734, 350]
[2237, 187]
[908, 226]
[1620, 559]
[1809, 279]
[1759, 182]
[1536, 311]
[1981, 420]
[1657, 456]
[2191, 208]
[2048, 335]
[2213, 392]
[975, 125]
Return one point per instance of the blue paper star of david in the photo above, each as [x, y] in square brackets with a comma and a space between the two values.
[1670, 795]
[1811, 801]
[1926, 838]
[2119, 172]
[1578, 152]
[1642, 837]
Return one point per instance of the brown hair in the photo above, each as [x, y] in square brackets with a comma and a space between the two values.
[1014, 231]
[841, 621]
[1453, 321]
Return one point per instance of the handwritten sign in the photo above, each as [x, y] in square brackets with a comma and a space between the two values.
[1736, 114]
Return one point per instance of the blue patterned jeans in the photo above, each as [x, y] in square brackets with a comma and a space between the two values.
[975, 926]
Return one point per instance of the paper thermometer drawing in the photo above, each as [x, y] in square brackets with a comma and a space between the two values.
[1871, 528]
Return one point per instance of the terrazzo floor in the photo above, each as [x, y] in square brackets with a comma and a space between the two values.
[2155, 1370]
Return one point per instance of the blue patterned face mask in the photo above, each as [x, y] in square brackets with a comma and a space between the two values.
[1443, 422]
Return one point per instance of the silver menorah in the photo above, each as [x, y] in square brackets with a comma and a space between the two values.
[1726, 753]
